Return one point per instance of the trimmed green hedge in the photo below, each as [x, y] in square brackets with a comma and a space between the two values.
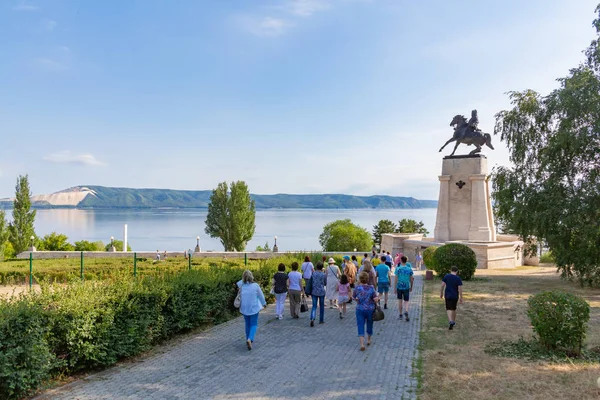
[93, 324]
[455, 254]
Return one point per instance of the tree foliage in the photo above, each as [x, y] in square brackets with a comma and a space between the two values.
[231, 215]
[21, 227]
[117, 243]
[454, 255]
[407, 225]
[343, 235]
[55, 242]
[84, 245]
[263, 248]
[4, 243]
[383, 226]
[552, 191]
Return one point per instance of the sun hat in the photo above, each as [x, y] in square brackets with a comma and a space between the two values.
[331, 261]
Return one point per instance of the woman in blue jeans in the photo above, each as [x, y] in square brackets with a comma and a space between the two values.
[252, 301]
[318, 294]
[366, 297]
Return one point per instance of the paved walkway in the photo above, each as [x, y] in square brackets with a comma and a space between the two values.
[290, 360]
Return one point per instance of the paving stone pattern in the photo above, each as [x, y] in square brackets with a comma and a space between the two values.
[290, 360]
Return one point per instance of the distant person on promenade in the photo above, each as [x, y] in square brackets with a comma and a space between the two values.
[165, 255]
[190, 253]
[452, 290]
[373, 255]
[343, 288]
[404, 284]
[388, 260]
[365, 297]
[365, 257]
[350, 270]
[368, 268]
[252, 301]
[185, 255]
[383, 281]
[280, 288]
[333, 277]
[307, 271]
[318, 294]
[157, 255]
[295, 290]
[418, 260]
[355, 261]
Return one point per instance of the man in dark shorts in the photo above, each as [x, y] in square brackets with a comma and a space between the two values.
[404, 283]
[452, 290]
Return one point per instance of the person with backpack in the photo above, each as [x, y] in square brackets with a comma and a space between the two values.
[404, 284]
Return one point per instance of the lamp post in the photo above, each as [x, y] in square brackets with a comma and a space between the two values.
[275, 248]
[32, 248]
[197, 249]
[112, 244]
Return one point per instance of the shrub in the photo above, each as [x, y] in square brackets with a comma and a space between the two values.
[428, 257]
[547, 258]
[25, 357]
[559, 319]
[455, 254]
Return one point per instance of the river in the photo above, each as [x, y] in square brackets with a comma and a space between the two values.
[177, 229]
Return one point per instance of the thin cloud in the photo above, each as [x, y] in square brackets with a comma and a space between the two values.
[66, 157]
[268, 26]
[65, 49]
[49, 24]
[48, 64]
[306, 8]
[26, 8]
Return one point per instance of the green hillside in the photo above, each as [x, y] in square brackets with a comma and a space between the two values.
[109, 197]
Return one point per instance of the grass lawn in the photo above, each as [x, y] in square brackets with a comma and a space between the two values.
[454, 363]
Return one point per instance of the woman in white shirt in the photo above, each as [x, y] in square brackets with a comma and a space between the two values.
[295, 290]
[307, 271]
[252, 301]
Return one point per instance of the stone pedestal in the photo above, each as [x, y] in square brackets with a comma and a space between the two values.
[464, 206]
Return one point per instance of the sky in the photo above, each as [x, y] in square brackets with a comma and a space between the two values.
[291, 96]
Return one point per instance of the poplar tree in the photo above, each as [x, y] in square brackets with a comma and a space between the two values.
[21, 228]
[231, 215]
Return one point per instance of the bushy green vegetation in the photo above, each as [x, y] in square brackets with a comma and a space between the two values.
[454, 254]
[428, 258]
[405, 225]
[55, 242]
[92, 324]
[343, 235]
[559, 319]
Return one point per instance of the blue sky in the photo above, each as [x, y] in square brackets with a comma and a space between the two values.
[313, 96]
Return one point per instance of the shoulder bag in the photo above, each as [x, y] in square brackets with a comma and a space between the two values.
[238, 299]
[378, 314]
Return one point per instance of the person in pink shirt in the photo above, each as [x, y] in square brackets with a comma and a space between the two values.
[344, 294]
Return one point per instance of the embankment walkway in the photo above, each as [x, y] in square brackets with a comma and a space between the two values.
[290, 360]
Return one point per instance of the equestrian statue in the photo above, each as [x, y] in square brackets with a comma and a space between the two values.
[467, 132]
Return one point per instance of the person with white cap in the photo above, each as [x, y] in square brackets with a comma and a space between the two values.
[333, 278]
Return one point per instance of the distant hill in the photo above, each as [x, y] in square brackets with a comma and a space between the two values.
[108, 197]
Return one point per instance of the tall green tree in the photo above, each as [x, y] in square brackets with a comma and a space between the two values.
[231, 215]
[552, 189]
[4, 243]
[21, 228]
[383, 226]
[407, 225]
[343, 235]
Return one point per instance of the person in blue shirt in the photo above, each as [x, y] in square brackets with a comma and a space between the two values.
[252, 301]
[383, 281]
[404, 284]
[452, 290]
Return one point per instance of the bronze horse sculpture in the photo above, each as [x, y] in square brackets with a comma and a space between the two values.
[466, 133]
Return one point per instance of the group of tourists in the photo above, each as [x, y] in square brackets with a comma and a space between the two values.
[366, 284]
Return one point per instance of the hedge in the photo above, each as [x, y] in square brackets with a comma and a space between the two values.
[93, 324]
[455, 254]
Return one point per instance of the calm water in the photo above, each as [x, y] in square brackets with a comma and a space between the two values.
[176, 230]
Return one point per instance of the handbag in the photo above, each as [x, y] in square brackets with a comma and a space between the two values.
[238, 299]
[308, 287]
[378, 314]
[303, 305]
